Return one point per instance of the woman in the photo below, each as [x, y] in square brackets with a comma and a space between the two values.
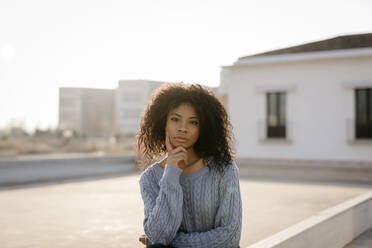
[191, 192]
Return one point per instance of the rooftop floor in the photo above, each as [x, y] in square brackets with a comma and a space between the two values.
[109, 212]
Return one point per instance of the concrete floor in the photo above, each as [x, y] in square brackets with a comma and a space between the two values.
[109, 212]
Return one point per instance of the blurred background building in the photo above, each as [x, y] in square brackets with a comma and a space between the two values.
[89, 112]
[131, 99]
[312, 101]
[106, 112]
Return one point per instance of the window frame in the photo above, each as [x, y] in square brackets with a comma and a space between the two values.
[278, 130]
[363, 126]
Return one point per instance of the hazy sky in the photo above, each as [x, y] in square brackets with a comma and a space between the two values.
[46, 44]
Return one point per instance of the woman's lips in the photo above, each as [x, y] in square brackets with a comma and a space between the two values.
[180, 139]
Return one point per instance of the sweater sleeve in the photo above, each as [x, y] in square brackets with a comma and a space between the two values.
[228, 218]
[163, 207]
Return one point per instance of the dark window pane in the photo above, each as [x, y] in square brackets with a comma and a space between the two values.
[370, 107]
[361, 107]
[276, 114]
[363, 113]
[272, 118]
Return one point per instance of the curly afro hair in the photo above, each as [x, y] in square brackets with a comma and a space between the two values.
[215, 140]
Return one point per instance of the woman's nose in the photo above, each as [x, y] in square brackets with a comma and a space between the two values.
[182, 128]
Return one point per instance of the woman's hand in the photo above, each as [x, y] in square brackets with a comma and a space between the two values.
[142, 239]
[175, 155]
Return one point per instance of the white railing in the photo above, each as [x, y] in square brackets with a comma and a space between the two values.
[332, 228]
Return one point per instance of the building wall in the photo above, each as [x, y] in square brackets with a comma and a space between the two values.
[221, 95]
[70, 108]
[131, 99]
[320, 107]
[97, 112]
[88, 111]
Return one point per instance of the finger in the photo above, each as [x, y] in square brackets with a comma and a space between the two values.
[181, 156]
[168, 145]
[179, 149]
[179, 153]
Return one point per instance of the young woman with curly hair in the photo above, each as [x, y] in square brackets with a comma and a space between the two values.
[190, 185]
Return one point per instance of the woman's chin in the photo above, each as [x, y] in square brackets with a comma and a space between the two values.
[182, 144]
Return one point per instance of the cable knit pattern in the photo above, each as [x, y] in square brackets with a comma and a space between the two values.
[201, 209]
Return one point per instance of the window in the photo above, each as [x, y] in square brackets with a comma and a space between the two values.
[363, 120]
[276, 121]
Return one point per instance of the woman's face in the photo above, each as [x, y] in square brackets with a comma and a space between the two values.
[182, 126]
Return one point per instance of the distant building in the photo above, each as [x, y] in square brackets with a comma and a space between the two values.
[222, 96]
[90, 112]
[131, 99]
[70, 109]
[308, 102]
[106, 112]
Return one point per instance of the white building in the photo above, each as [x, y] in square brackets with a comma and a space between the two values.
[311, 102]
[131, 99]
[90, 112]
[70, 109]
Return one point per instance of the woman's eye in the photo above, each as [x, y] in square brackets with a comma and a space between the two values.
[194, 123]
[174, 119]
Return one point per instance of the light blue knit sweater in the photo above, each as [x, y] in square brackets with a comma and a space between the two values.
[200, 209]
